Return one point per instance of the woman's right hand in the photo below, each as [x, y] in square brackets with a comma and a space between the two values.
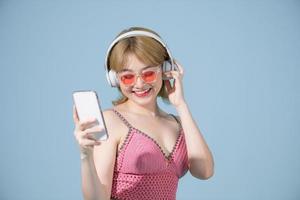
[84, 134]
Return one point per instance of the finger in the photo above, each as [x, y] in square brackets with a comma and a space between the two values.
[167, 75]
[84, 134]
[75, 115]
[179, 66]
[177, 79]
[168, 85]
[94, 129]
[171, 74]
[91, 137]
[88, 142]
[175, 74]
[91, 132]
[87, 123]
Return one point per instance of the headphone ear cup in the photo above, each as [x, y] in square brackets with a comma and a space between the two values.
[112, 78]
[167, 66]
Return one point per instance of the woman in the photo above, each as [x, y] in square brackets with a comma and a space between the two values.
[148, 150]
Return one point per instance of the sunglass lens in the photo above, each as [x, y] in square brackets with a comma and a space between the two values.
[127, 79]
[149, 76]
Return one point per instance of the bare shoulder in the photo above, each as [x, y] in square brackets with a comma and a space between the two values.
[109, 114]
[114, 124]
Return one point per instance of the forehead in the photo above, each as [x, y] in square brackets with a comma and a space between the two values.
[133, 63]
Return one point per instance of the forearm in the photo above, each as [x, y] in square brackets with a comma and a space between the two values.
[200, 157]
[92, 188]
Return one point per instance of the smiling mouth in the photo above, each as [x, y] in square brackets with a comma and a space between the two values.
[142, 93]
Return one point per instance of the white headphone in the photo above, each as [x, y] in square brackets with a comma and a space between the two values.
[111, 75]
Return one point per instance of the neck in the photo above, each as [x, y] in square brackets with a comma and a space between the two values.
[146, 110]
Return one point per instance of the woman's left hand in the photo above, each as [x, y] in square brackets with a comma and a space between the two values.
[175, 93]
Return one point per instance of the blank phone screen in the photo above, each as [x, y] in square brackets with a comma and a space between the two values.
[87, 106]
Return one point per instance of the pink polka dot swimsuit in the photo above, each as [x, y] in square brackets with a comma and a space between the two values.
[143, 171]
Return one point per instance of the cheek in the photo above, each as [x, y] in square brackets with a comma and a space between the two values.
[158, 83]
[125, 90]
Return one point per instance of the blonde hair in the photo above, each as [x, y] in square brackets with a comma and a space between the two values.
[146, 49]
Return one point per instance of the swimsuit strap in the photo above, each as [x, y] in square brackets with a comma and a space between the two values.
[129, 125]
[123, 119]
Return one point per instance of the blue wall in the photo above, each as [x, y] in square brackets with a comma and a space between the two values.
[241, 61]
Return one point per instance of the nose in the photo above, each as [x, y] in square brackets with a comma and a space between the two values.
[139, 81]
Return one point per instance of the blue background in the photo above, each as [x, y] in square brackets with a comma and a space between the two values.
[241, 61]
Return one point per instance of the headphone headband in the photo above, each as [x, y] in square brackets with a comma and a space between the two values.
[110, 73]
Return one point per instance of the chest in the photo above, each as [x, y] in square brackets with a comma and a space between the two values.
[162, 133]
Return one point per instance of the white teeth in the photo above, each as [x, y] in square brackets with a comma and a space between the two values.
[142, 92]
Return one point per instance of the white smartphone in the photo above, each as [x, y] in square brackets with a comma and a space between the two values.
[88, 105]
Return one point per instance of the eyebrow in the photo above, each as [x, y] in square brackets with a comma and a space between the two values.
[125, 69]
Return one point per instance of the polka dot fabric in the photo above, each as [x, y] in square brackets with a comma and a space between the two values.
[143, 171]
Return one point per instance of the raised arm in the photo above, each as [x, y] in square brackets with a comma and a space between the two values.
[97, 160]
[201, 162]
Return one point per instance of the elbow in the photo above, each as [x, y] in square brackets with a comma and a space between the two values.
[201, 170]
[208, 175]
[203, 175]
